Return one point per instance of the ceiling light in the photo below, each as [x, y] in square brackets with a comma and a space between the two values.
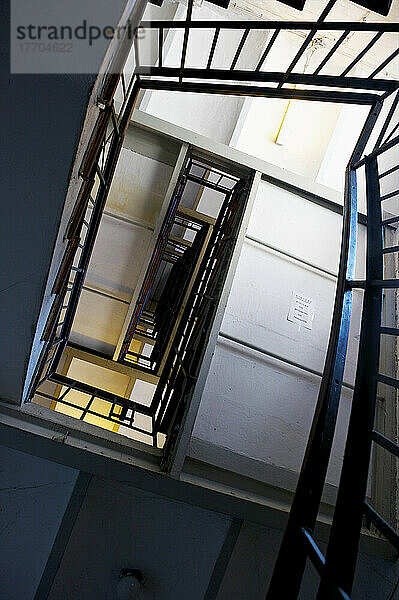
[130, 585]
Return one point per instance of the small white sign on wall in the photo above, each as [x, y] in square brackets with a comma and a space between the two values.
[301, 310]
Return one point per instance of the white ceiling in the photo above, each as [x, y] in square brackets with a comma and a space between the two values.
[344, 10]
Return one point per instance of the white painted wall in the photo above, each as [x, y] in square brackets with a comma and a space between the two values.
[126, 229]
[139, 186]
[98, 322]
[212, 116]
[256, 405]
[340, 147]
[209, 115]
[306, 133]
[307, 128]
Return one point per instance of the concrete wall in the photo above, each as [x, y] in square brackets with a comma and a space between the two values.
[174, 545]
[125, 232]
[33, 497]
[42, 131]
[204, 114]
[210, 115]
[254, 404]
[45, 115]
[250, 569]
[306, 130]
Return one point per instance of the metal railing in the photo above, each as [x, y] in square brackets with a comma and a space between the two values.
[250, 81]
[96, 172]
[203, 176]
[351, 502]
[337, 569]
[124, 79]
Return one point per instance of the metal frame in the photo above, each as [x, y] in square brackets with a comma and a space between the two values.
[58, 388]
[260, 92]
[200, 224]
[196, 79]
[337, 569]
[311, 481]
[351, 504]
[180, 161]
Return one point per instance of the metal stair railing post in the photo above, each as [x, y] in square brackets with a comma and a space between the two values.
[291, 561]
[102, 194]
[350, 506]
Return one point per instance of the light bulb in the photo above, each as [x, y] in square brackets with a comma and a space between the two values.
[130, 585]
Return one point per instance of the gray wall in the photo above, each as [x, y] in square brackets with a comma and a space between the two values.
[42, 121]
[42, 133]
[250, 568]
[34, 494]
[175, 545]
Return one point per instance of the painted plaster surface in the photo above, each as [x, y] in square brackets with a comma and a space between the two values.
[175, 545]
[256, 405]
[34, 494]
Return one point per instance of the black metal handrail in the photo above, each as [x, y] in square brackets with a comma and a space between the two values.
[337, 570]
[104, 147]
[350, 507]
[384, 27]
[255, 73]
[97, 168]
[99, 163]
[297, 545]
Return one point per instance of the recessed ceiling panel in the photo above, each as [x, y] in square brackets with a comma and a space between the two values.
[298, 4]
[222, 3]
[382, 7]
